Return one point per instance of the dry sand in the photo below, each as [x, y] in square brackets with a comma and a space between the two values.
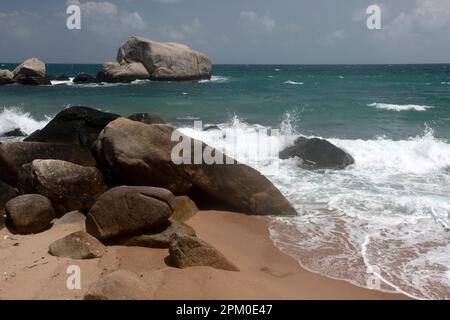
[27, 271]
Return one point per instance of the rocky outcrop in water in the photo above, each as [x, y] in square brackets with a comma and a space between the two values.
[318, 154]
[30, 68]
[6, 77]
[142, 58]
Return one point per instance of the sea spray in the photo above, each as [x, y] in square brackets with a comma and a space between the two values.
[12, 118]
[378, 213]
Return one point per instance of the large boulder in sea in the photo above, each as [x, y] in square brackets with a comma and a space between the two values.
[75, 125]
[13, 155]
[31, 67]
[163, 61]
[30, 213]
[126, 72]
[187, 251]
[119, 285]
[69, 186]
[77, 245]
[6, 77]
[137, 154]
[125, 210]
[318, 154]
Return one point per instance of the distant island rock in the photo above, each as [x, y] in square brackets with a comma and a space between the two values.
[142, 58]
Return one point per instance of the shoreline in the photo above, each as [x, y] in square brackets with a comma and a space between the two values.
[265, 272]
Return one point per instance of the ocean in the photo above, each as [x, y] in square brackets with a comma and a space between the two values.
[382, 223]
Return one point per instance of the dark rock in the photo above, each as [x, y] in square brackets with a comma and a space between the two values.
[13, 155]
[186, 251]
[69, 186]
[186, 209]
[118, 285]
[14, 133]
[32, 81]
[211, 128]
[30, 213]
[126, 210]
[75, 125]
[146, 118]
[156, 238]
[77, 245]
[318, 154]
[6, 193]
[137, 154]
[84, 79]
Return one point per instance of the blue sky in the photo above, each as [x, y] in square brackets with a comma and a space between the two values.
[231, 31]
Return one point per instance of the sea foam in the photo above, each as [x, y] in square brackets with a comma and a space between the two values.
[15, 118]
[397, 107]
[381, 220]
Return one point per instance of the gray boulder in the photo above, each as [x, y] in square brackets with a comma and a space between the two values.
[13, 155]
[129, 210]
[30, 213]
[31, 67]
[6, 77]
[113, 72]
[165, 61]
[157, 238]
[186, 251]
[77, 245]
[69, 186]
[318, 154]
[137, 154]
[118, 285]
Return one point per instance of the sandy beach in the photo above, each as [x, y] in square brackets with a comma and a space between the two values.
[29, 272]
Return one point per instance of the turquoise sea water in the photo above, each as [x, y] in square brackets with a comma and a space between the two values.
[330, 101]
[381, 223]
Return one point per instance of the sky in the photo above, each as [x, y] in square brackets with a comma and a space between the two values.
[231, 31]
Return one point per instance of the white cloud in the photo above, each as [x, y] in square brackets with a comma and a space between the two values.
[185, 31]
[105, 17]
[425, 17]
[251, 21]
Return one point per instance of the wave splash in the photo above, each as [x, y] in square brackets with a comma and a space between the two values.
[15, 118]
[382, 221]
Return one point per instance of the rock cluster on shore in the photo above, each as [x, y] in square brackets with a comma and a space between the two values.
[119, 173]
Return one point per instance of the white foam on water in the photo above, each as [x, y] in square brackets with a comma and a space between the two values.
[293, 82]
[387, 212]
[397, 107]
[445, 83]
[12, 118]
[96, 85]
[216, 79]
